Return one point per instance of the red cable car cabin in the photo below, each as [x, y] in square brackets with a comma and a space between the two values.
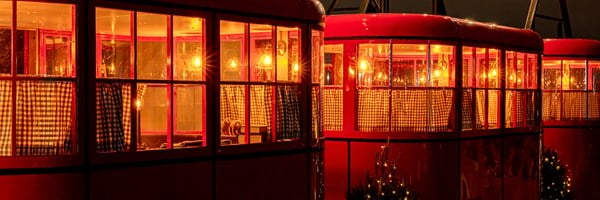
[457, 100]
[571, 109]
[159, 99]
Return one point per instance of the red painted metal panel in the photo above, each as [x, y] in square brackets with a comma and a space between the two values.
[67, 186]
[336, 169]
[521, 161]
[572, 47]
[171, 181]
[276, 177]
[481, 169]
[429, 27]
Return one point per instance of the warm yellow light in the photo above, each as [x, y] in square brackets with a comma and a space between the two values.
[296, 67]
[138, 104]
[421, 47]
[436, 73]
[233, 64]
[351, 71]
[197, 61]
[519, 80]
[267, 60]
[422, 79]
[363, 65]
[494, 73]
[512, 77]
[379, 75]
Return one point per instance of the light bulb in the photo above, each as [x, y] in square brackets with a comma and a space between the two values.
[363, 65]
[296, 67]
[436, 73]
[233, 64]
[197, 61]
[267, 60]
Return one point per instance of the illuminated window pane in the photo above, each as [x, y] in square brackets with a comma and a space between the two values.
[233, 51]
[5, 36]
[189, 107]
[334, 64]
[469, 63]
[288, 54]
[5, 117]
[152, 55]
[373, 64]
[493, 68]
[114, 42]
[188, 41]
[153, 115]
[262, 50]
[233, 113]
[45, 39]
[594, 66]
[442, 70]
[551, 74]
[407, 58]
[515, 69]
[573, 75]
[532, 71]
[317, 56]
[113, 117]
[288, 113]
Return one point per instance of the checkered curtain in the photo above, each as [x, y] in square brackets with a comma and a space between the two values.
[113, 116]
[373, 109]
[480, 106]
[332, 109]
[594, 106]
[5, 118]
[316, 112]
[467, 111]
[288, 112]
[493, 108]
[232, 103]
[260, 106]
[550, 105]
[515, 108]
[441, 105]
[531, 106]
[409, 110]
[574, 105]
[43, 118]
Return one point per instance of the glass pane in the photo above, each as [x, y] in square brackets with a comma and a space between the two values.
[114, 42]
[532, 66]
[5, 36]
[334, 64]
[45, 39]
[288, 113]
[373, 64]
[442, 72]
[5, 118]
[44, 118]
[233, 113]
[469, 63]
[188, 41]
[153, 115]
[515, 69]
[551, 74]
[573, 75]
[493, 68]
[261, 113]
[409, 65]
[233, 51]
[188, 116]
[288, 54]
[317, 56]
[594, 67]
[261, 53]
[113, 117]
[152, 56]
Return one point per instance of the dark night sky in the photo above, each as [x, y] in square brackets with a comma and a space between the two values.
[584, 14]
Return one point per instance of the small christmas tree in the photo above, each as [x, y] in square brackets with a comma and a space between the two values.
[556, 182]
[385, 185]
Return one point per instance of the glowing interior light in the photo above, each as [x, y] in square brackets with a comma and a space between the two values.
[138, 104]
[267, 60]
[296, 67]
[233, 64]
[511, 77]
[351, 71]
[421, 47]
[494, 73]
[197, 61]
[519, 80]
[436, 73]
[363, 65]
[422, 79]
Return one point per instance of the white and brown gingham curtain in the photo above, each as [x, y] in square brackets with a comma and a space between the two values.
[594, 105]
[332, 109]
[261, 106]
[551, 105]
[574, 105]
[232, 103]
[5, 118]
[515, 108]
[373, 109]
[288, 112]
[113, 125]
[316, 111]
[421, 110]
[43, 117]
